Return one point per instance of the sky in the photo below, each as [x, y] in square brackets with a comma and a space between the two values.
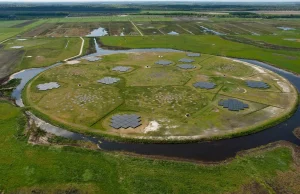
[148, 0]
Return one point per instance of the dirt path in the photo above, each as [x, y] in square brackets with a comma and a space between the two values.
[137, 28]
[67, 44]
[80, 52]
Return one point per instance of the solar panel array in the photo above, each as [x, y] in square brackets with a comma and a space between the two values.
[193, 54]
[163, 62]
[125, 121]
[233, 104]
[108, 80]
[186, 60]
[186, 66]
[257, 84]
[204, 85]
[121, 68]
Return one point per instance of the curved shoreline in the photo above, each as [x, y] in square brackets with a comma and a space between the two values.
[119, 146]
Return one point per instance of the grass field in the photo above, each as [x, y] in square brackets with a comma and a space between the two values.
[40, 52]
[149, 24]
[210, 44]
[292, 41]
[9, 29]
[160, 94]
[29, 168]
[110, 18]
[83, 104]
[159, 25]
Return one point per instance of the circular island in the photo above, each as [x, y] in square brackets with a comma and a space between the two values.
[161, 96]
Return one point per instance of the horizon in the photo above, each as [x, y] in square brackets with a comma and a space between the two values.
[131, 1]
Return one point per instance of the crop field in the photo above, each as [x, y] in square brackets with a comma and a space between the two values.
[189, 98]
[7, 24]
[9, 29]
[210, 44]
[292, 41]
[220, 26]
[9, 59]
[161, 95]
[249, 27]
[115, 28]
[155, 25]
[163, 28]
[81, 29]
[36, 52]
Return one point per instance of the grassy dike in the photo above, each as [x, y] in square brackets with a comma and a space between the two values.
[26, 167]
[210, 44]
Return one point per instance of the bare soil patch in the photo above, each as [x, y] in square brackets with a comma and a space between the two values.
[297, 132]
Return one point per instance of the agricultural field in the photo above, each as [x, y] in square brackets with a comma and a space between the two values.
[115, 18]
[9, 29]
[27, 168]
[9, 60]
[210, 44]
[150, 26]
[164, 28]
[164, 96]
[292, 41]
[167, 102]
[276, 33]
[72, 29]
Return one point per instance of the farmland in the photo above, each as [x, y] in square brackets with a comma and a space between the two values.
[210, 44]
[9, 29]
[161, 95]
[35, 52]
[157, 25]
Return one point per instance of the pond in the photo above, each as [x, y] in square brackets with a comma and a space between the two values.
[98, 32]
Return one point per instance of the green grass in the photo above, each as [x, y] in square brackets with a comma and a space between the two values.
[164, 94]
[26, 167]
[210, 44]
[109, 18]
[46, 51]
